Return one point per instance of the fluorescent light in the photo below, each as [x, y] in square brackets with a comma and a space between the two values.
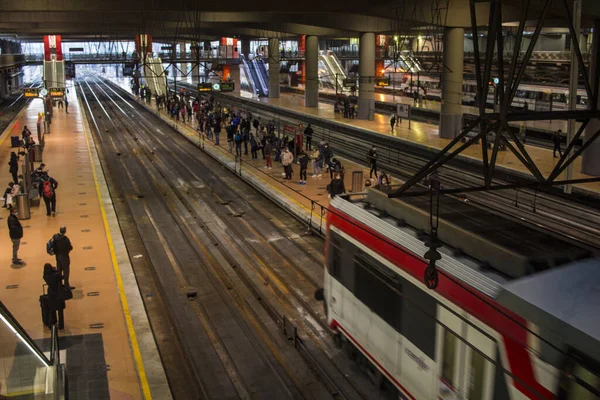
[24, 341]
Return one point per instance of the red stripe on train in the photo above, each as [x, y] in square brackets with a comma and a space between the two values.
[472, 301]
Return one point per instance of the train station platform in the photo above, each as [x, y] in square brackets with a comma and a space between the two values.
[420, 134]
[309, 201]
[431, 107]
[107, 341]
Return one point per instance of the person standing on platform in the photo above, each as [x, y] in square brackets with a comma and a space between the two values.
[287, 158]
[62, 248]
[217, 130]
[237, 138]
[372, 158]
[66, 105]
[303, 161]
[256, 124]
[14, 166]
[25, 133]
[56, 306]
[15, 231]
[393, 122]
[60, 103]
[556, 139]
[253, 147]
[317, 162]
[267, 150]
[48, 193]
[308, 133]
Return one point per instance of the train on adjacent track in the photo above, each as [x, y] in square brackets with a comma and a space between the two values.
[462, 340]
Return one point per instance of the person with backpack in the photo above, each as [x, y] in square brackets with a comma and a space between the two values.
[15, 231]
[237, 138]
[372, 157]
[303, 161]
[336, 186]
[253, 146]
[48, 193]
[61, 246]
[55, 305]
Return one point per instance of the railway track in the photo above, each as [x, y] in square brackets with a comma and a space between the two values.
[576, 217]
[227, 264]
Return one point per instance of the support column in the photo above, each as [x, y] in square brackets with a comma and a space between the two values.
[195, 65]
[311, 85]
[452, 77]
[590, 164]
[246, 47]
[274, 67]
[234, 74]
[366, 69]
[182, 66]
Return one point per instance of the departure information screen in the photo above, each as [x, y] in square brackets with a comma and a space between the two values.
[205, 87]
[31, 92]
[56, 92]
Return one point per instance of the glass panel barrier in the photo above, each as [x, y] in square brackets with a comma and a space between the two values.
[25, 371]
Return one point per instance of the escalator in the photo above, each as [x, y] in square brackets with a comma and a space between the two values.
[251, 85]
[326, 77]
[261, 73]
[334, 70]
[253, 78]
[26, 367]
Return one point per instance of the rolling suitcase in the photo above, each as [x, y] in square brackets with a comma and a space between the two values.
[45, 307]
[15, 141]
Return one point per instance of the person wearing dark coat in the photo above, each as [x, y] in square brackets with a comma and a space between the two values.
[62, 248]
[56, 305]
[14, 166]
[15, 231]
[336, 186]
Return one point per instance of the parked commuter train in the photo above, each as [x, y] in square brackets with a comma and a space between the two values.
[455, 342]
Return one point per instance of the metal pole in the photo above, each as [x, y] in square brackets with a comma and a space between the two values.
[574, 77]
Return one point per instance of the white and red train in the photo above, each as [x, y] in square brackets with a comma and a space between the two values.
[454, 342]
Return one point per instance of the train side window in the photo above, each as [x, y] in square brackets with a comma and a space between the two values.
[334, 256]
[418, 316]
[449, 357]
[580, 379]
[378, 290]
[476, 376]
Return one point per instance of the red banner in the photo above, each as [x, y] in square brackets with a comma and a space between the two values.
[53, 48]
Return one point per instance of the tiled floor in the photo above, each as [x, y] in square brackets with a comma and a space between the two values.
[96, 306]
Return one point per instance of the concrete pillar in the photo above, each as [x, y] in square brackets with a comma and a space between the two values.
[452, 77]
[311, 60]
[182, 66]
[366, 69]
[195, 75]
[590, 164]
[234, 73]
[274, 67]
[245, 47]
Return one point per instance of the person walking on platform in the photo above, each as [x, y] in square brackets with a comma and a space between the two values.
[256, 124]
[14, 166]
[287, 158]
[60, 103]
[62, 248]
[56, 305]
[48, 193]
[372, 158]
[230, 130]
[556, 139]
[303, 161]
[308, 133]
[267, 150]
[25, 133]
[217, 130]
[317, 162]
[15, 231]
[66, 105]
[237, 138]
[393, 122]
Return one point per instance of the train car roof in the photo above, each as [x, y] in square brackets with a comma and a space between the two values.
[497, 242]
[562, 301]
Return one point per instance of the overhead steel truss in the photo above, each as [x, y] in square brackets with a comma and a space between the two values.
[507, 89]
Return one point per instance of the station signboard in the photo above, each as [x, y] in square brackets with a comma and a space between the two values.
[31, 93]
[205, 87]
[382, 82]
[349, 82]
[227, 86]
[56, 92]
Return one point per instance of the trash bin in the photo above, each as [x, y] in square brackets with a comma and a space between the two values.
[23, 205]
[357, 181]
[39, 151]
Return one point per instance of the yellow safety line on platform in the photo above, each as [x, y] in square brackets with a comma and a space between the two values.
[134, 343]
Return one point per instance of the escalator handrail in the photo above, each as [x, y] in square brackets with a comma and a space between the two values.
[248, 74]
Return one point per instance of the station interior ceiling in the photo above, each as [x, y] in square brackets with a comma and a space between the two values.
[194, 20]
